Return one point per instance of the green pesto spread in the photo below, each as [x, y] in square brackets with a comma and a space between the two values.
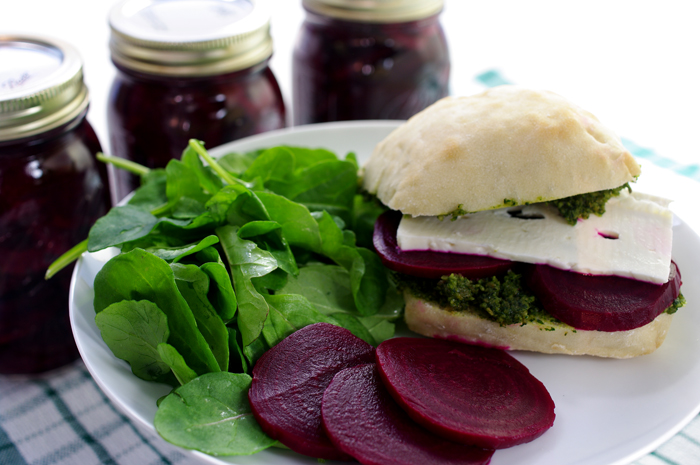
[454, 214]
[582, 205]
[501, 299]
[571, 208]
[678, 303]
[504, 300]
[460, 211]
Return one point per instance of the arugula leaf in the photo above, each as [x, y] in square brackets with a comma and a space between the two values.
[365, 214]
[212, 414]
[221, 294]
[220, 202]
[268, 236]
[246, 261]
[139, 275]
[272, 165]
[121, 224]
[177, 364]
[299, 228]
[324, 186]
[239, 363]
[327, 288]
[151, 194]
[356, 327]
[254, 350]
[314, 178]
[306, 157]
[175, 254]
[367, 274]
[289, 313]
[208, 180]
[238, 162]
[183, 182]
[380, 327]
[208, 254]
[247, 207]
[193, 284]
[132, 330]
[370, 296]
[187, 208]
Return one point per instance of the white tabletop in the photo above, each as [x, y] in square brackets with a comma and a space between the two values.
[634, 64]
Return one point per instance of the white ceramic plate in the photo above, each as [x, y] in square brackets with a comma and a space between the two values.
[608, 411]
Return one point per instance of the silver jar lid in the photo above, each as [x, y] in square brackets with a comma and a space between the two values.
[41, 85]
[376, 11]
[189, 37]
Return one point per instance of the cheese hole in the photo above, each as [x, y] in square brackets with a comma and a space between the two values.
[518, 213]
[608, 234]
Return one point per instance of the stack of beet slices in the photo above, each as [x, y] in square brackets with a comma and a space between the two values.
[325, 393]
[289, 381]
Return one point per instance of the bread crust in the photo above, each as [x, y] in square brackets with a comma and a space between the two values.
[429, 319]
[480, 152]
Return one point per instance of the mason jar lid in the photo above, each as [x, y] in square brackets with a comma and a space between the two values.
[377, 11]
[189, 37]
[41, 85]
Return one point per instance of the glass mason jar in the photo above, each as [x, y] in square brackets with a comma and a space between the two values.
[187, 69]
[372, 59]
[52, 189]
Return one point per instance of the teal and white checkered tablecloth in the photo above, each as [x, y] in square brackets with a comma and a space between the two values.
[63, 418]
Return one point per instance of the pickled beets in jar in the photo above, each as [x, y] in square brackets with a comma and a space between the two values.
[187, 69]
[373, 59]
[52, 189]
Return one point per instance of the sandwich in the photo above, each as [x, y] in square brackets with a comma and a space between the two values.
[511, 222]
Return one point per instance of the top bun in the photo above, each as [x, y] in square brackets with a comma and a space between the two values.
[506, 146]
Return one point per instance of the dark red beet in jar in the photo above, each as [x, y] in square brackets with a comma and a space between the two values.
[52, 189]
[210, 82]
[355, 65]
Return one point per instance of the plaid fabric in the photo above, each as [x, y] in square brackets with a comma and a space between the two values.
[64, 418]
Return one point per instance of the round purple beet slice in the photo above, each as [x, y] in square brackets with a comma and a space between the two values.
[363, 420]
[601, 303]
[289, 380]
[426, 263]
[466, 393]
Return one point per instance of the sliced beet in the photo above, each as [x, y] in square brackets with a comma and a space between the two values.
[289, 380]
[466, 393]
[363, 420]
[601, 303]
[426, 263]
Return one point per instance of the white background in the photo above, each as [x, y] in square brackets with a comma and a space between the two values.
[634, 64]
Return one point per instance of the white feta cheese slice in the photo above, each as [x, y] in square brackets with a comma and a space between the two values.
[632, 239]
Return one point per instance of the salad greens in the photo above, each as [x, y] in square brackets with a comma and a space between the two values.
[212, 414]
[222, 259]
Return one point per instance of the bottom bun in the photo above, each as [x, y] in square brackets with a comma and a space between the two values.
[429, 319]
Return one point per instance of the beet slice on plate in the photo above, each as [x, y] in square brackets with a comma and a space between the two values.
[601, 303]
[363, 420]
[289, 380]
[470, 394]
[426, 263]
